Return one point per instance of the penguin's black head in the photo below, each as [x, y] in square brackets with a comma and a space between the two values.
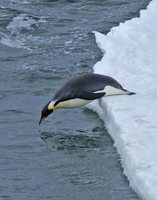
[47, 110]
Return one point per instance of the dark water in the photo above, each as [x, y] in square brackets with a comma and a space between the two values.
[42, 44]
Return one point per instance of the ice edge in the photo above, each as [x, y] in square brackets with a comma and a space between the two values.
[143, 186]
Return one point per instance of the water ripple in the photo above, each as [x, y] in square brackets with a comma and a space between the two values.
[62, 141]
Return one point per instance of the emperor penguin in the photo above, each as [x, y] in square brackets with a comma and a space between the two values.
[81, 90]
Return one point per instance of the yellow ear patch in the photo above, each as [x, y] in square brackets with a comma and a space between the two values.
[50, 106]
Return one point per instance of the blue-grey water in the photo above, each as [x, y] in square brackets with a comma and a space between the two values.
[70, 156]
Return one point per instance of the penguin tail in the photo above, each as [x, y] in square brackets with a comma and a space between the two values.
[131, 93]
[128, 92]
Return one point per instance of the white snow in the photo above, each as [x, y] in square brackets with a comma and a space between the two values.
[130, 56]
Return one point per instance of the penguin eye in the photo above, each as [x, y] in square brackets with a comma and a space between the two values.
[47, 112]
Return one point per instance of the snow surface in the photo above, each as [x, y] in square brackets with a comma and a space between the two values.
[130, 56]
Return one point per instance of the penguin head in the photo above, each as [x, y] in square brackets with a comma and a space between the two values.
[46, 111]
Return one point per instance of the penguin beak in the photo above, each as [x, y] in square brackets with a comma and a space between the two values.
[41, 119]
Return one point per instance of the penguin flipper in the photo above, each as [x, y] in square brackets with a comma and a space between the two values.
[90, 95]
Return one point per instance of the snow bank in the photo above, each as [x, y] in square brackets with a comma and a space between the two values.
[130, 56]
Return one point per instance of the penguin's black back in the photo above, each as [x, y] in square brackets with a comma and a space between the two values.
[88, 82]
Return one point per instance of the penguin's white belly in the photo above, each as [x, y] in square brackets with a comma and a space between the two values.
[72, 103]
